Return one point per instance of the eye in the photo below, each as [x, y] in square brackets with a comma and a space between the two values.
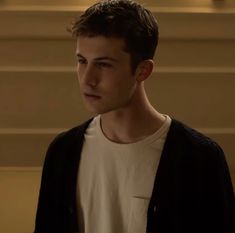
[81, 60]
[104, 65]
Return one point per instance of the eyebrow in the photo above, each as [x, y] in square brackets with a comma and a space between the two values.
[99, 58]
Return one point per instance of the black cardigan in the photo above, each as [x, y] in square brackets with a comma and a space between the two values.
[192, 191]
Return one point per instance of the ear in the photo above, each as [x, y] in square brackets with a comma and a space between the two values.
[144, 70]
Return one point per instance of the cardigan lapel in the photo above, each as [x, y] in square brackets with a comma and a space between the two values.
[164, 183]
[77, 140]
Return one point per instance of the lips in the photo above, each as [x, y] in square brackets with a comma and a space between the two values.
[91, 96]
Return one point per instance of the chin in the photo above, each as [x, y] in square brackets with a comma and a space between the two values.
[103, 109]
[95, 111]
[100, 111]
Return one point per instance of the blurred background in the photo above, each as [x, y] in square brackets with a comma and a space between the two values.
[39, 97]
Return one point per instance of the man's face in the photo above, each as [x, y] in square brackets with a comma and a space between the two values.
[106, 80]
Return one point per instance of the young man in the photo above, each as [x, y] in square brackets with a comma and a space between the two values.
[130, 168]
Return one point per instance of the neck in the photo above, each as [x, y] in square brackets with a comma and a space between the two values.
[133, 123]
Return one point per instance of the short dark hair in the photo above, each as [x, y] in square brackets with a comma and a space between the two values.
[122, 19]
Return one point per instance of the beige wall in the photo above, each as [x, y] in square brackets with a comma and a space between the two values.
[39, 97]
[19, 193]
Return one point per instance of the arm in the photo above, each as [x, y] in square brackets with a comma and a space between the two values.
[47, 209]
[218, 201]
[226, 192]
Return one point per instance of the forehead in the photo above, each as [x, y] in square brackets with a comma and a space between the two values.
[101, 46]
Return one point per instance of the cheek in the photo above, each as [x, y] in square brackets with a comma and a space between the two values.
[124, 87]
[79, 69]
[79, 72]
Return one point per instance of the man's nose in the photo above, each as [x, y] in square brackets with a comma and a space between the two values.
[90, 76]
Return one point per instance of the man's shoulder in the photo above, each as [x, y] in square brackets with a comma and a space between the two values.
[192, 138]
[71, 135]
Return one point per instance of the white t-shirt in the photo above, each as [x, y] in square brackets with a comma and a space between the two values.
[115, 181]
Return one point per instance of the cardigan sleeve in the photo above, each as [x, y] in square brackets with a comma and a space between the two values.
[215, 189]
[57, 195]
[193, 190]
[218, 200]
[46, 215]
[226, 193]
